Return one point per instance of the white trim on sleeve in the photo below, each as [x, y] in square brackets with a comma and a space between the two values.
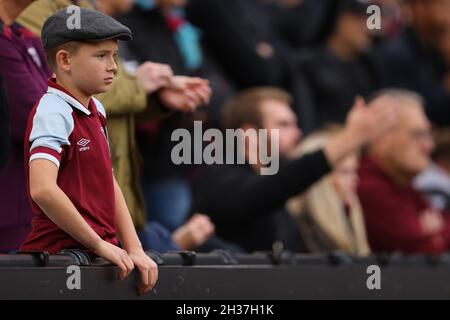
[45, 156]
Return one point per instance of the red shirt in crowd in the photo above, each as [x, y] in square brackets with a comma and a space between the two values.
[392, 215]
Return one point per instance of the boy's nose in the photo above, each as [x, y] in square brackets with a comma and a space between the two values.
[113, 67]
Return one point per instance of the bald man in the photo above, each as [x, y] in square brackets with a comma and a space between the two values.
[398, 217]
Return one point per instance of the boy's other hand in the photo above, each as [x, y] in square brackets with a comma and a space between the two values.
[147, 268]
[117, 256]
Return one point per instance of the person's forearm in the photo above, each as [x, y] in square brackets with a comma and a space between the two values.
[244, 197]
[58, 207]
[339, 146]
[125, 227]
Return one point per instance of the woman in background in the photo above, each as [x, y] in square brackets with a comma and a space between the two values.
[329, 215]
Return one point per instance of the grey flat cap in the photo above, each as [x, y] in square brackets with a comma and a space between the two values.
[78, 24]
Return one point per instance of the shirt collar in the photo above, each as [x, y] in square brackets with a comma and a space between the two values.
[55, 88]
[371, 165]
[15, 28]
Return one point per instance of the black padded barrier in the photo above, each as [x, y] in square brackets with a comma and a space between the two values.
[224, 276]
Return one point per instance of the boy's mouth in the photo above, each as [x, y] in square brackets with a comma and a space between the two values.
[109, 80]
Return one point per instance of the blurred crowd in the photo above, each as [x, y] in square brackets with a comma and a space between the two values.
[352, 178]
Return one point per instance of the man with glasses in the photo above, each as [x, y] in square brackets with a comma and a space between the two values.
[398, 217]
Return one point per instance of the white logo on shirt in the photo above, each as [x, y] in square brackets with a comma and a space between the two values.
[83, 143]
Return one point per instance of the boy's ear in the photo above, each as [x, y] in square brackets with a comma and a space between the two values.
[63, 60]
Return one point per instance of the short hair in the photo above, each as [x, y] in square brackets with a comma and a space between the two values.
[245, 107]
[399, 94]
[71, 47]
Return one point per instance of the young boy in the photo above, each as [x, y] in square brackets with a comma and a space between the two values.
[76, 200]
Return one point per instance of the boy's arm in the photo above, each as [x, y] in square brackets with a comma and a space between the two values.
[130, 242]
[57, 206]
[125, 228]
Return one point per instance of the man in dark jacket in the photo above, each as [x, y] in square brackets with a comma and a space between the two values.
[413, 62]
[248, 208]
[252, 47]
[343, 67]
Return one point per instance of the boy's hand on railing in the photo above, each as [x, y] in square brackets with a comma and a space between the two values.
[147, 268]
[117, 256]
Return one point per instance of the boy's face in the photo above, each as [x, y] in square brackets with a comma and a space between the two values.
[93, 66]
